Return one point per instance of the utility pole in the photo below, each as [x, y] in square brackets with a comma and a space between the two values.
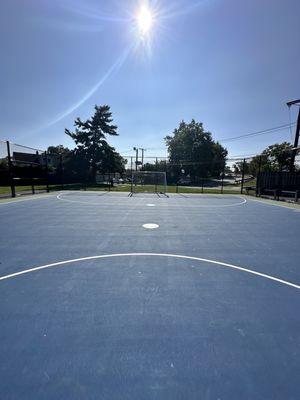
[294, 151]
[142, 155]
[136, 157]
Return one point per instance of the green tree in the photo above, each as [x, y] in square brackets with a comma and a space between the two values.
[274, 158]
[279, 155]
[259, 163]
[58, 150]
[160, 165]
[239, 165]
[192, 148]
[92, 149]
[3, 163]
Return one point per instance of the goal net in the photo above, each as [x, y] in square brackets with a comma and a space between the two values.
[148, 182]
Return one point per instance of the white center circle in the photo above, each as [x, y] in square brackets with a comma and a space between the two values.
[150, 226]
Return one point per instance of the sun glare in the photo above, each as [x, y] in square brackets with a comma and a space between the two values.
[144, 20]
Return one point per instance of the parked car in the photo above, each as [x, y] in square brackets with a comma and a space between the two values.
[184, 181]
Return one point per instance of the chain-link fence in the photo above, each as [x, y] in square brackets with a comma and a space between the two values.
[28, 170]
[23, 170]
[4, 170]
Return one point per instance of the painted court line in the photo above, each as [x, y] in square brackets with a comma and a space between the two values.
[20, 200]
[150, 226]
[62, 198]
[271, 202]
[75, 260]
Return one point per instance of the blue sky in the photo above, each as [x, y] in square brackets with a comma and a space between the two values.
[231, 64]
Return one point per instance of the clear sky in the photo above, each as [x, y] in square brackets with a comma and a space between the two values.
[231, 64]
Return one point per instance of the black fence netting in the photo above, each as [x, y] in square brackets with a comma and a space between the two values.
[29, 170]
[4, 171]
[281, 180]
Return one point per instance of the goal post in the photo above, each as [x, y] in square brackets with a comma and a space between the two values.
[149, 182]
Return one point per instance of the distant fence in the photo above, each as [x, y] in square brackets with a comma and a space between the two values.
[278, 180]
[25, 169]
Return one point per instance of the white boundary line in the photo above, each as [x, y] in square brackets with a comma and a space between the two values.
[14, 200]
[59, 197]
[272, 278]
[271, 202]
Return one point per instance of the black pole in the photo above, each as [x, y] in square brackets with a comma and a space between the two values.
[61, 171]
[257, 191]
[243, 175]
[131, 174]
[222, 185]
[143, 157]
[136, 157]
[10, 171]
[47, 172]
[166, 171]
[280, 181]
[85, 180]
[32, 179]
[156, 167]
[294, 152]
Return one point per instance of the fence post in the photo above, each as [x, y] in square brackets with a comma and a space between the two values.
[280, 180]
[156, 167]
[131, 174]
[61, 172]
[85, 181]
[257, 191]
[222, 185]
[202, 185]
[10, 171]
[166, 171]
[47, 172]
[243, 176]
[32, 179]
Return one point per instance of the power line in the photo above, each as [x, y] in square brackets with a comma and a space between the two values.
[246, 135]
[257, 133]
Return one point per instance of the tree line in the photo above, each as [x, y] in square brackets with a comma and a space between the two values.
[192, 153]
[276, 157]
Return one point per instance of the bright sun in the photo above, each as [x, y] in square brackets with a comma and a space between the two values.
[144, 20]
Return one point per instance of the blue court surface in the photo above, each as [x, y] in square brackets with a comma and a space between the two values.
[105, 296]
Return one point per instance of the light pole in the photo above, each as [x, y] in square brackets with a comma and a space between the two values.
[142, 155]
[136, 157]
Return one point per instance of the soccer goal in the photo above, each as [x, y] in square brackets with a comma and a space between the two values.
[149, 182]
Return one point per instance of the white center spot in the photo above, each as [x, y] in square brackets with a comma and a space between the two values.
[150, 226]
[150, 205]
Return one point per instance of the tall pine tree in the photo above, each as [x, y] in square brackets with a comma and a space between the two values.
[91, 142]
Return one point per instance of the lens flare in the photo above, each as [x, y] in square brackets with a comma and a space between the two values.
[144, 20]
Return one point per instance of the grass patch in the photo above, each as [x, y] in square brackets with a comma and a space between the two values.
[5, 190]
[250, 183]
